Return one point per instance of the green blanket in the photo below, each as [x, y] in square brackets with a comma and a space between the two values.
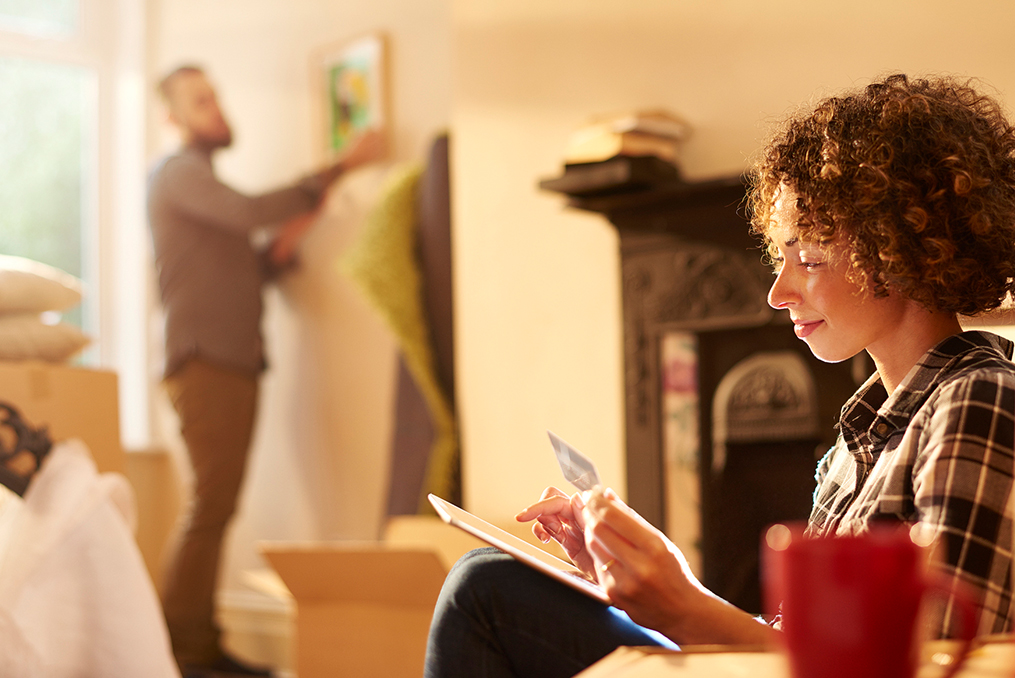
[383, 265]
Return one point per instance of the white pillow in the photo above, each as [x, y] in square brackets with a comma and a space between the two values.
[31, 286]
[23, 336]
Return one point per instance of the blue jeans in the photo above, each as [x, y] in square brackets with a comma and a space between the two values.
[497, 617]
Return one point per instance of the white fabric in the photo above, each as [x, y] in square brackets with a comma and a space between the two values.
[75, 598]
[23, 336]
[31, 286]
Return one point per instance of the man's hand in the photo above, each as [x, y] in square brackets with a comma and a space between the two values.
[366, 148]
[282, 251]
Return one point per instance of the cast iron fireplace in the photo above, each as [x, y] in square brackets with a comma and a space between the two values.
[762, 409]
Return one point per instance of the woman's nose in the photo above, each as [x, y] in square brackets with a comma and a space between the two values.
[782, 292]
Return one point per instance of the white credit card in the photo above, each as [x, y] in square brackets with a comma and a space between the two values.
[577, 468]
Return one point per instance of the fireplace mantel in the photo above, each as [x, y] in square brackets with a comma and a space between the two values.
[710, 211]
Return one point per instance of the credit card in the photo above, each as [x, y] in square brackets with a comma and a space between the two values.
[577, 468]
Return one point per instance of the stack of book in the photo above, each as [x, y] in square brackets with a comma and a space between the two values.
[621, 153]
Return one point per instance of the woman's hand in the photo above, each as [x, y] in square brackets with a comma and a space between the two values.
[559, 517]
[647, 576]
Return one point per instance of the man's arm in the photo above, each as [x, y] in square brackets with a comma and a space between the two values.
[365, 149]
[187, 186]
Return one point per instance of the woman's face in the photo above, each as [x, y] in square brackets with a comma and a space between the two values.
[834, 316]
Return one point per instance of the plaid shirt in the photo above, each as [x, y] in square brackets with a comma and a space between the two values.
[939, 452]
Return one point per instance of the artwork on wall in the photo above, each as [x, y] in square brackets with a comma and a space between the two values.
[351, 81]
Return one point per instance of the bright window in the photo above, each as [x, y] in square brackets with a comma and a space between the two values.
[48, 131]
[39, 17]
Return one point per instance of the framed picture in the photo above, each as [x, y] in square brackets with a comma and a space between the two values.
[351, 82]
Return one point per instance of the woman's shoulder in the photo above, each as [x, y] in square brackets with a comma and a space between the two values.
[983, 373]
[979, 355]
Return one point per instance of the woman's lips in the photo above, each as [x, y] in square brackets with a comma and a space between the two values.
[804, 329]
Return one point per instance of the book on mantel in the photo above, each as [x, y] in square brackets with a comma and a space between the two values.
[638, 133]
[618, 174]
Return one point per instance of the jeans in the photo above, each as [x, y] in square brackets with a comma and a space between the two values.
[496, 617]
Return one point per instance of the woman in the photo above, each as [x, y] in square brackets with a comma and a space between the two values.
[887, 212]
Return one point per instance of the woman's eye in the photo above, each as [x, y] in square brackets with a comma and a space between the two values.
[810, 265]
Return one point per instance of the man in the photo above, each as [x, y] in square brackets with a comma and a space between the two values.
[211, 277]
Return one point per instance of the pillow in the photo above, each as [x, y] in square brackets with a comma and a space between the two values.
[31, 286]
[23, 336]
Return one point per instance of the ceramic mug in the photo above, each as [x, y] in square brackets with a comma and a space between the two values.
[851, 605]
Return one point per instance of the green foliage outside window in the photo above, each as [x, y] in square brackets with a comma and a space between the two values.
[44, 159]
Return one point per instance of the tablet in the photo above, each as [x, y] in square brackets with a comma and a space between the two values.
[521, 550]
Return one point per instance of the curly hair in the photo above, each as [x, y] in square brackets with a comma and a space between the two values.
[915, 176]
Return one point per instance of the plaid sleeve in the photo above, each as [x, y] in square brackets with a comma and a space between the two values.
[833, 472]
[961, 482]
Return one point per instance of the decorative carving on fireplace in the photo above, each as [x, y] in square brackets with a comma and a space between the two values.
[676, 285]
[698, 287]
[767, 397]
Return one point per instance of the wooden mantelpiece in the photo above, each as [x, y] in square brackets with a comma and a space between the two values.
[686, 210]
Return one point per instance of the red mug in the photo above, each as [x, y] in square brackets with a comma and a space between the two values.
[850, 605]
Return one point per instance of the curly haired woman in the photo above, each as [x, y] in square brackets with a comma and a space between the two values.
[887, 212]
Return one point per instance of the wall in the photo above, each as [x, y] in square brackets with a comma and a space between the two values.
[538, 311]
[538, 323]
[319, 465]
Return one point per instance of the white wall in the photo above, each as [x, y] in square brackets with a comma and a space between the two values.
[538, 311]
[319, 465]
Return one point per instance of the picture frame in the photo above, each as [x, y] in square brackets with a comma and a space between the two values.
[350, 80]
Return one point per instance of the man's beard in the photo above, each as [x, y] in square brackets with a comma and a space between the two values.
[215, 142]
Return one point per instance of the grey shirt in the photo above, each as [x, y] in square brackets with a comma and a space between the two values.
[209, 273]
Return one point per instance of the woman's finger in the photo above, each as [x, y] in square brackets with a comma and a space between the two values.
[552, 502]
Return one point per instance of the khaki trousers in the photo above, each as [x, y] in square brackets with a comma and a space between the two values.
[216, 407]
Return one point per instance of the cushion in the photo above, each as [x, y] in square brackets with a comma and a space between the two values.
[23, 336]
[31, 286]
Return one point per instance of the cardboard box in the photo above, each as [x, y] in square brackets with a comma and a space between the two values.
[72, 402]
[432, 533]
[362, 609]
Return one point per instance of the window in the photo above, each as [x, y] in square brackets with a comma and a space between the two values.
[72, 170]
[45, 162]
[39, 17]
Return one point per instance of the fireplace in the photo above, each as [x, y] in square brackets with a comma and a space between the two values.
[726, 411]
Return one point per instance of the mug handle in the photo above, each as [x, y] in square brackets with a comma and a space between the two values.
[939, 584]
